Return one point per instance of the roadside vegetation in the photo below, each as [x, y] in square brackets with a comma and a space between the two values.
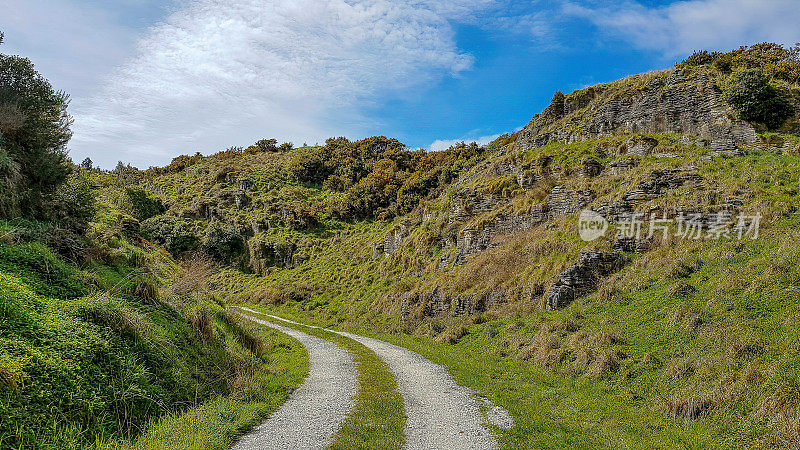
[103, 335]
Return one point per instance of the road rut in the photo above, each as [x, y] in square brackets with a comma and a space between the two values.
[318, 408]
[441, 414]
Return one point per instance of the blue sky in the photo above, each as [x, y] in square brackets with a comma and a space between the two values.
[154, 79]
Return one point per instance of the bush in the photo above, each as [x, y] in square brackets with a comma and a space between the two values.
[142, 205]
[776, 60]
[10, 184]
[756, 100]
[34, 131]
[73, 205]
[222, 242]
[175, 234]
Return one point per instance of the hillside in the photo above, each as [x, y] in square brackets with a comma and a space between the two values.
[478, 248]
[677, 326]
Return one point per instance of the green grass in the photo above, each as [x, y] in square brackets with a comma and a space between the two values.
[92, 355]
[218, 423]
[550, 411]
[378, 417]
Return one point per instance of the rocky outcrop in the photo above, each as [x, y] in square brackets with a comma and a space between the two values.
[641, 145]
[264, 254]
[437, 304]
[621, 166]
[582, 278]
[657, 102]
[473, 240]
[467, 204]
[563, 201]
[658, 184]
[392, 241]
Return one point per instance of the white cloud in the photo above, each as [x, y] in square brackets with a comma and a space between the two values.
[682, 27]
[220, 73]
[72, 44]
[440, 145]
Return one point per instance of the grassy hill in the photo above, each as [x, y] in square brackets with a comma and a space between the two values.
[471, 256]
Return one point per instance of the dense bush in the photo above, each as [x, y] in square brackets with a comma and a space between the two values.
[774, 59]
[175, 234]
[756, 100]
[10, 185]
[34, 131]
[380, 178]
[142, 204]
[73, 204]
[222, 242]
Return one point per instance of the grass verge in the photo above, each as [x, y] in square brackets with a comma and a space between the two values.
[552, 411]
[218, 423]
[378, 418]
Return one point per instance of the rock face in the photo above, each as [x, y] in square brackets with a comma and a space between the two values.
[642, 146]
[477, 239]
[657, 102]
[658, 184]
[392, 241]
[436, 304]
[265, 254]
[582, 278]
[563, 201]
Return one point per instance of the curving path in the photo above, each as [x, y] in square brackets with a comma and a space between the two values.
[316, 410]
[441, 414]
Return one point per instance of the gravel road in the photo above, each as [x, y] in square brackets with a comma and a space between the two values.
[316, 410]
[441, 414]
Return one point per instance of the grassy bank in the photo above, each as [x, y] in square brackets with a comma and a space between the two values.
[218, 423]
[94, 351]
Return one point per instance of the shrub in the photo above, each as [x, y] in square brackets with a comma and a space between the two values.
[776, 60]
[175, 234]
[142, 205]
[756, 100]
[34, 131]
[10, 182]
[73, 205]
[222, 242]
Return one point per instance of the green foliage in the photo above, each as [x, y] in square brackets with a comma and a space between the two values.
[222, 242]
[178, 164]
[756, 100]
[176, 235]
[73, 205]
[379, 177]
[34, 131]
[81, 367]
[10, 185]
[776, 60]
[143, 205]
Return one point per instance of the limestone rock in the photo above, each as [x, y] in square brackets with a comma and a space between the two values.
[642, 146]
[582, 278]
[669, 101]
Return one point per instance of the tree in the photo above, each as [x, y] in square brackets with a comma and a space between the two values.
[34, 131]
[750, 92]
[87, 164]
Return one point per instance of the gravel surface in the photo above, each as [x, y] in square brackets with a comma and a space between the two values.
[441, 414]
[316, 410]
